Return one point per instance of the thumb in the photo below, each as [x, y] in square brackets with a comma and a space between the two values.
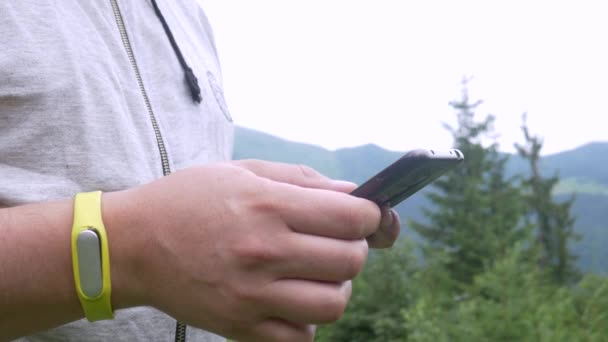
[295, 174]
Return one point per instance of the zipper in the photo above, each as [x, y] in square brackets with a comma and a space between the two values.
[125, 42]
[180, 328]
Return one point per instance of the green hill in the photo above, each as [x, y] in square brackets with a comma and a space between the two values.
[588, 162]
[253, 144]
[584, 171]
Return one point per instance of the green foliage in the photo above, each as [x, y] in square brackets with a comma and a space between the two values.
[513, 301]
[382, 290]
[591, 300]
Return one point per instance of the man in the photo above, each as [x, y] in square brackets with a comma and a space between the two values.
[124, 96]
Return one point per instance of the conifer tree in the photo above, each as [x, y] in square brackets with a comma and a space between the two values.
[554, 224]
[477, 211]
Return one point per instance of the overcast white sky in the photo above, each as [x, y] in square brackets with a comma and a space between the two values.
[341, 73]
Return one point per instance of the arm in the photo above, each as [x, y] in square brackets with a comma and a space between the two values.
[36, 280]
[250, 250]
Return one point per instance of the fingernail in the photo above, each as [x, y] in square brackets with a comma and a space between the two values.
[343, 183]
[393, 214]
[343, 186]
[388, 217]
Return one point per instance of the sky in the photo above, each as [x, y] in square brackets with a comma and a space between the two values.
[343, 73]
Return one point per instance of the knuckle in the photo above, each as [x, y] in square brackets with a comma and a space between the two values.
[253, 252]
[308, 171]
[242, 294]
[270, 207]
[250, 164]
[356, 260]
[354, 218]
[261, 196]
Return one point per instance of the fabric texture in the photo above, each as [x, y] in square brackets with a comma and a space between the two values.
[73, 117]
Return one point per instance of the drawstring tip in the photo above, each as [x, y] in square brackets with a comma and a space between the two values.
[192, 82]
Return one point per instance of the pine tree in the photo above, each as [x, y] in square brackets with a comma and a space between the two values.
[553, 221]
[477, 211]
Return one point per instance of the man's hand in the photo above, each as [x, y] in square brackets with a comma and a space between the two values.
[301, 175]
[251, 250]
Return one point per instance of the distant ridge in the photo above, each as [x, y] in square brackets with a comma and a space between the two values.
[587, 163]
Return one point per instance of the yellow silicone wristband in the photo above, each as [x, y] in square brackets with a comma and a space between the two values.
[87, 216]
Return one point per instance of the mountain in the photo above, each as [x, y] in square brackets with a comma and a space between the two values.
[583, 171]
[586, 162]
[253, 144]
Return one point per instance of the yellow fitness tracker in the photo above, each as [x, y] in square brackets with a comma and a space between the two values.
[90, 257]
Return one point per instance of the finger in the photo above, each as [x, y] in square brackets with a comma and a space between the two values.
[300, 175]
[326, 213]
[322, 259]
[279, 330]
[388, 231]
[306, 302]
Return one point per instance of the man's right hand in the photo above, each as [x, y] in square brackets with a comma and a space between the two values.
[251, 250]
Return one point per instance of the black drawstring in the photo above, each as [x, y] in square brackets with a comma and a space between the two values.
[191, 80]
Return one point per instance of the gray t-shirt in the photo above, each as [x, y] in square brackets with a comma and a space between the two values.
[81, 83]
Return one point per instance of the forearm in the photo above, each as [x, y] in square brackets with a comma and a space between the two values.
[37, 289]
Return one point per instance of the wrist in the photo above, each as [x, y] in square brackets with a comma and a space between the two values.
[126, 248]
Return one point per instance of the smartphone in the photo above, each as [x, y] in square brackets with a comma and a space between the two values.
[410, 173]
